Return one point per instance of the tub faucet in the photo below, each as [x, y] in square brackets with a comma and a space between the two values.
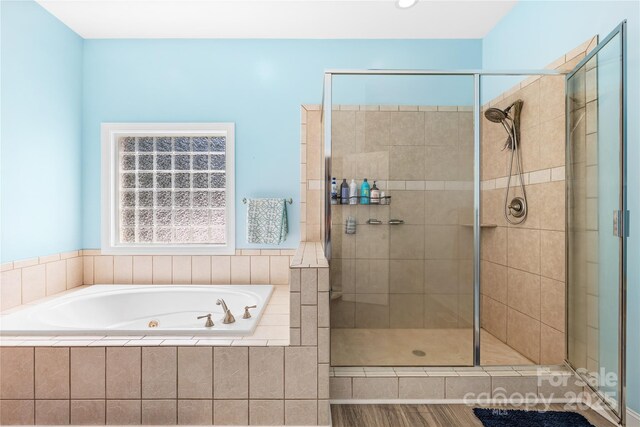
[228, 317]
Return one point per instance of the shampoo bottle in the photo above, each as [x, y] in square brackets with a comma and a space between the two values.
[375, 194]
[334, 191]
[364, 192]
[344, 192]
[353, 193]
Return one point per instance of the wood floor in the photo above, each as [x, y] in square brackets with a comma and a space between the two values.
[424, 415]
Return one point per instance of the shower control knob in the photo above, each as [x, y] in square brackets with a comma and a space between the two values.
[517, 207]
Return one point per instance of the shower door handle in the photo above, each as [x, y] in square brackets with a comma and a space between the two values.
[396, 221]
[621, 223]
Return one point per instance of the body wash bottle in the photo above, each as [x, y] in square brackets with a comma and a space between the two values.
[344, 192]
[364, 192]
[353, 193]
[375, 194]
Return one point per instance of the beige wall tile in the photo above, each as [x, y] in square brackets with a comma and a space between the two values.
[523, 334]
[51, 373]
[552, 248]
[458, 387]
[510, 385]
[408, 128]
[301, 370]
[221, 270]
[309, 325]
[87, 270]
[181, 269]
[408, 242]
[56, 273]
[231, 412]
[527, 260]
[201, 269]
[74, 272]
[124, 412]
[195, 412]
[406, 276]
[241, 269]
[260, 269]
[301, 412]
[231, 373]
[494, 245]
[552, 303]
[266, 372]
[88, 412]
[103, 269]
[494, 318]
[124, 373]
[494, 281]
[52, 412]
[279, 270]
[33, 283]
[340, 388]
[195, 372]
[552, 151]
[23, 263]
[16, 412]
[266, 412]
[123, 269]
[10, 289]
[162, 269]
[159, 373]
[524, 292]
[87, 373]
[16, 365]
[421, 388]
[159, 412]
[309, 285]
[552, 345]
[375, 388]
[142, 269]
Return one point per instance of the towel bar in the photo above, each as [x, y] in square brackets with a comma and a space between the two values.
[289, 200]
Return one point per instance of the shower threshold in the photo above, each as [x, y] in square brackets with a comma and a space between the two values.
[418, 347]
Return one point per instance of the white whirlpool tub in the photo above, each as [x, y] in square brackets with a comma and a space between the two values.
[135, 309]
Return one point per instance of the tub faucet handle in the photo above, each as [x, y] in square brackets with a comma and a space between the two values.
[247, 315]
[209, 322]
[228, 317]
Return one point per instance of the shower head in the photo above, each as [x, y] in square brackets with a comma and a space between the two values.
[495, 115]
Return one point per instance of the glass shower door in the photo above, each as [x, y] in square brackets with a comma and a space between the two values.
[402, 274]
[595, 219]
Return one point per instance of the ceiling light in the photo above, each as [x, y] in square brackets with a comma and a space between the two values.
[406, 4]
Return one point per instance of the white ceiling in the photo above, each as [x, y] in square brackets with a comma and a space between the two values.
[278, 18]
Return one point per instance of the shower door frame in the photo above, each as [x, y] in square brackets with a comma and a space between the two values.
[326, 111]
[621, 412]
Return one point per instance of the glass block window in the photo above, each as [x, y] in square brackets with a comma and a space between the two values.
[172, 189]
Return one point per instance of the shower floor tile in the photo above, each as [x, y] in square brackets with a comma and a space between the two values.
[396, 347]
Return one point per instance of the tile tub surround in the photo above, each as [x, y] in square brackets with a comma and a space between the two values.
[26, 281]
[453, 385]
[243, 383]
[523, 268]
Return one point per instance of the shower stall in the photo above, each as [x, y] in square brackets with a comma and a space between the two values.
[462, 262]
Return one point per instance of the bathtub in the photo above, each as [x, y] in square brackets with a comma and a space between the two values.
[140, 310]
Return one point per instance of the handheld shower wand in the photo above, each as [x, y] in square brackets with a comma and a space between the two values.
[515, 212]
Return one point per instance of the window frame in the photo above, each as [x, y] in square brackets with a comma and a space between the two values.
[110, 187]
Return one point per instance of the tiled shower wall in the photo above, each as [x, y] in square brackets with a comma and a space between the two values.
[523, 266]
[26, 281]
[418, 274]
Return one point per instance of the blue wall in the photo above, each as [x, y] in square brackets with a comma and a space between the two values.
[534, 34]
[258, 84]
[40, 135]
